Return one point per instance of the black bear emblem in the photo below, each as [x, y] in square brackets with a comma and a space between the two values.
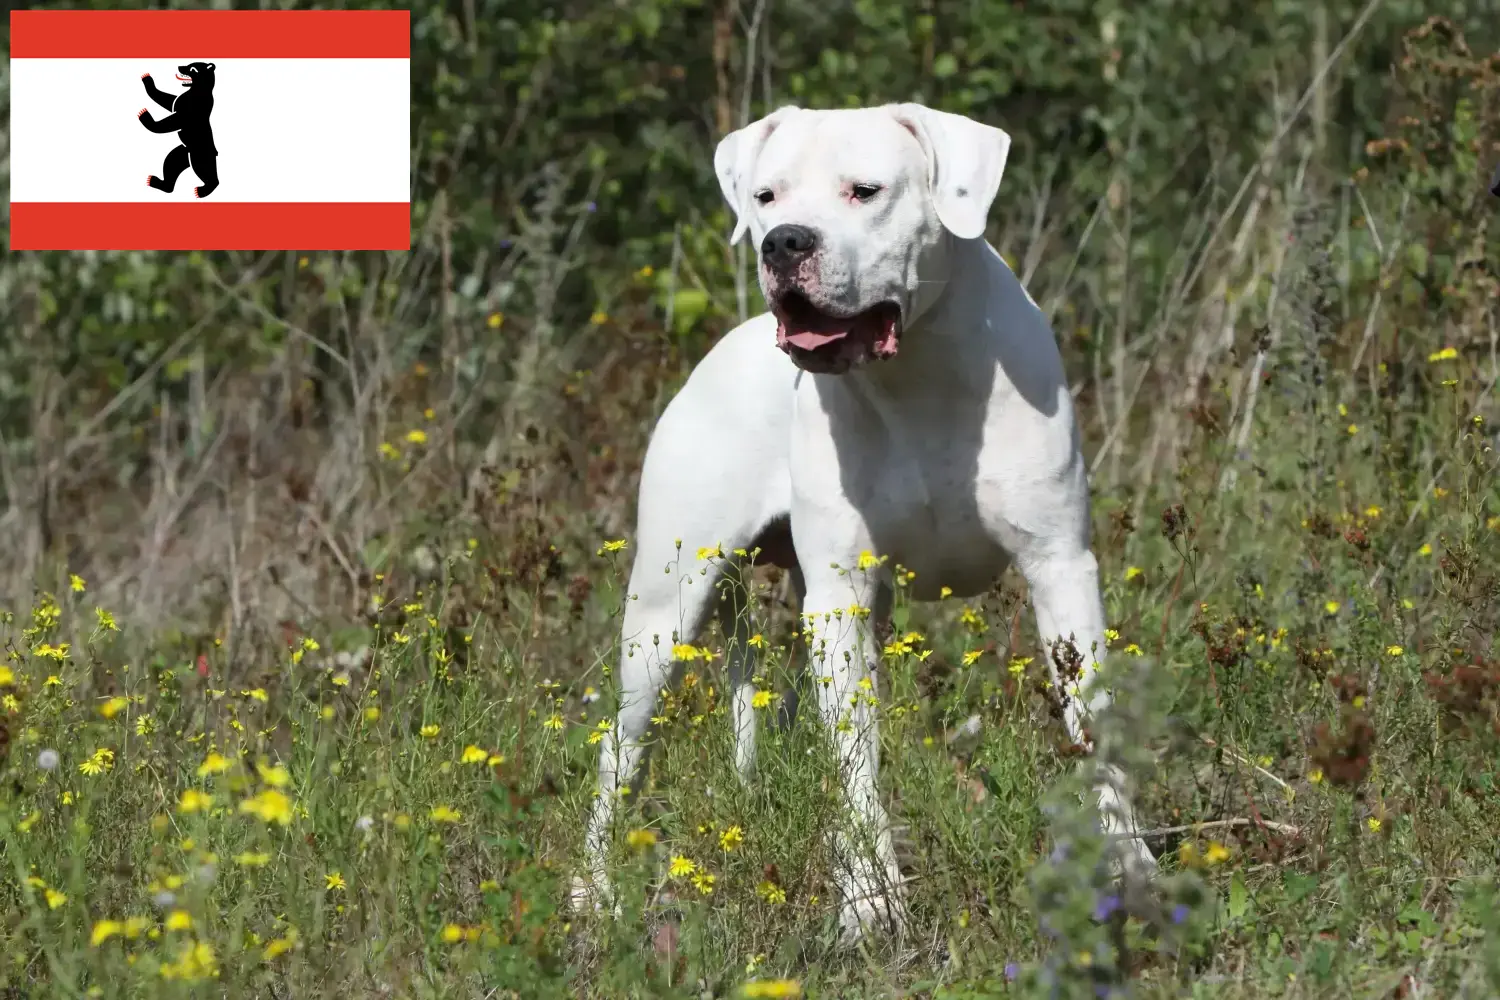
[189, 119]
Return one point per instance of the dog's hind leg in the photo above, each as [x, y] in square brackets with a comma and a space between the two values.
[1070, 620]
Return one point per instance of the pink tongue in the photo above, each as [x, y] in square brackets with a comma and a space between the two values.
[810, 340]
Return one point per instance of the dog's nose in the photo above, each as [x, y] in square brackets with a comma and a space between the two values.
[787, 246]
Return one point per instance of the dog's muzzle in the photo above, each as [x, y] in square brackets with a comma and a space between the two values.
[823, 343]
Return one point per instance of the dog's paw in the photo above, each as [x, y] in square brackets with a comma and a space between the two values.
[1133, 858]
[590, 896]
[882, 912]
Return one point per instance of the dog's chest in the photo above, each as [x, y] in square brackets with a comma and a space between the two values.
[933, 522]
[912, 481]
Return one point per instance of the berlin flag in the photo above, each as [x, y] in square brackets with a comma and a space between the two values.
[210, 130]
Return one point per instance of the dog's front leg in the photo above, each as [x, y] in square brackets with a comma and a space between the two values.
[1070, 620]
[842, 655]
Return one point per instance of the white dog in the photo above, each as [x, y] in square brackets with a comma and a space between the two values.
[903, 397]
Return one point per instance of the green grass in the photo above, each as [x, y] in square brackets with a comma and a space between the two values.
[435, 788]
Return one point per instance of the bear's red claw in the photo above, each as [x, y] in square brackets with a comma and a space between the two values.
[141, 112]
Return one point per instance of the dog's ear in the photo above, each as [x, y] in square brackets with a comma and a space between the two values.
[733, 160]
[965, 160]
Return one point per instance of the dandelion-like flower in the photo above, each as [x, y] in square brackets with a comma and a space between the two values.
[194, 801]
[99, 761]
[48, 760]
[270, 806]
[214, 763]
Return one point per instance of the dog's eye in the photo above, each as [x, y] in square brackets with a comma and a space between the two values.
[864, 192]
[766, 196]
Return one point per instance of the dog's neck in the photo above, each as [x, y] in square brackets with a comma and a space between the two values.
[951, 308]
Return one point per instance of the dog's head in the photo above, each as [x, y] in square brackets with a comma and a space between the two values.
[851, 213]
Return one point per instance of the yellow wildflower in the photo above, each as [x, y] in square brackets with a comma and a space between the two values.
[276, 776]
[270, 806]
[194, 801]
[104, 930]
[279, 946]
[100, 761]
[214, 763]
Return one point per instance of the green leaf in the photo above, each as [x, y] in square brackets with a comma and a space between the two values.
[1298, 886]
[944, 66]
[688, 306]
[1239, 898]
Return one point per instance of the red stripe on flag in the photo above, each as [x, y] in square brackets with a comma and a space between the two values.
[225, 225]
[210, 34]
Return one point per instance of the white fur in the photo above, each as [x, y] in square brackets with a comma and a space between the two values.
[953, 458]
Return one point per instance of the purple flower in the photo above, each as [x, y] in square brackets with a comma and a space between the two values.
[1012, 970]
[1180, 913]
[505, 244]
[591, 207]
[1106, 906]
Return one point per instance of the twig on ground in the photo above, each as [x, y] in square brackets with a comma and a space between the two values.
[1212, 824]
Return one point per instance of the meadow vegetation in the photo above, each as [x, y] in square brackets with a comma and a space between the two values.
[314, 562]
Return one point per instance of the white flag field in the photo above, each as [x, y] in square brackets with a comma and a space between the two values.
[210, 130]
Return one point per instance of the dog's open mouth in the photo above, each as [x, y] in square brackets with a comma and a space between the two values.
[820, 342]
